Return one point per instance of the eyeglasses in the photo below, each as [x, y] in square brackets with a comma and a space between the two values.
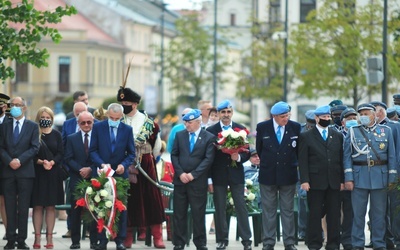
[85, 122]
[16, 105]
[226, 111]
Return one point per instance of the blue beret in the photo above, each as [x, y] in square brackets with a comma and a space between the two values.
[365, 106]
[335, 103]
[347, 112]
[191, 115]
[323, 110]
[224, 105]
[338, 108]
[310, 115]
[377, 103]
[280, 108]
[391, 112]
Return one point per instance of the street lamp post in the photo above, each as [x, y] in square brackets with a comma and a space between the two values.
[160, 81]
[215, 55]
[384, 52]
[285, 54]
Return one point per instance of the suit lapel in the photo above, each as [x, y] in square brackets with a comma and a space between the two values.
[318, 136]
[273, 134]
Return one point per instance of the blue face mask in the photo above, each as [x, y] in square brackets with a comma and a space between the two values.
[16, 111]
[112, 123]
[364, 120]
[351, 123]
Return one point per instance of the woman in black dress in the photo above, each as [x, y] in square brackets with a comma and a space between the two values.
[48, 185]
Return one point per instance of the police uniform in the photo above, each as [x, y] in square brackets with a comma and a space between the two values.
[371, 167]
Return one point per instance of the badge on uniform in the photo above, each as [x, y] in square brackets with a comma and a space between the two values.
[294, 144]
[382, 145]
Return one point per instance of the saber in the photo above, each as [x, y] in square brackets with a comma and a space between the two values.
[153, 181]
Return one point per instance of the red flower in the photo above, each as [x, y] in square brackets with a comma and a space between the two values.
[236, 129]
[100, 225]
[220, 135]
[95, 183]
[119, 205]
[80, 203]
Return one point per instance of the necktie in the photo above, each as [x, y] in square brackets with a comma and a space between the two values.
[16, 132]
[192, 135]
[324, 134]
[226, 127]
[279, 134]
[112, 136]
[86, 143]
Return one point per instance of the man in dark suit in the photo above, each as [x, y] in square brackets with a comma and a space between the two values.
[192, 156]
[322, 176]
[80, 96]
[80, 167]
[276, 144]
[19, 143]
[112, 144]
[224, 175]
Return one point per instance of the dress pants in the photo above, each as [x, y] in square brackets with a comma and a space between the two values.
[269, 205]
[378, 201]
[75, 218]
[395, 215]
[347, 222]
[121, 231]
[221, 226]
[17, 196]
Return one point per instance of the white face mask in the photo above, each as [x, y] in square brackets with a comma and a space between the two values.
[364, 120]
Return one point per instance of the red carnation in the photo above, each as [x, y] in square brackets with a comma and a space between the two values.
[95, 183]
[119, 205]
[80, 203]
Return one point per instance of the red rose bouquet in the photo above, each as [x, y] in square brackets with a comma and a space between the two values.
[233, 141]
[104, 198]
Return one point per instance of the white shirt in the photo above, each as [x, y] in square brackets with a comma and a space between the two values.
[276, 125]
[320, 129]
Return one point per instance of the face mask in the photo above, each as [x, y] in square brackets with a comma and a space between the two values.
[112, 123]
[324, 123]
[44, 123]
[127, 109]
[364, 120]
[16, 111]
[337, 121]
[351, 123]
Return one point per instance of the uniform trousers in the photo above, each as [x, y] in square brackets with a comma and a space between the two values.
[269, 205]
[221, 226]
[347, 220]
[377, 213]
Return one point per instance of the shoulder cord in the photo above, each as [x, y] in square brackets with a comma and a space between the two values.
[363, 151]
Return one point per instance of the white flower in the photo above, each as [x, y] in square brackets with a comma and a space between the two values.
[251, 196]
[226, 133]
[97, 198]
[249, 182]
[243, 134]
[91, 207]
[103, 193]
[100, 214]
[107, 185]
[231, 201]
[108, 204]
[89, 190]
[235, 135]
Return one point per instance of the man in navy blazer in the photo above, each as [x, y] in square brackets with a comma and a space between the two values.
[276, 145]
[224, 175]
[71, 126]
[112, 144]
[80, 167]
[192, 156]
[19, 144]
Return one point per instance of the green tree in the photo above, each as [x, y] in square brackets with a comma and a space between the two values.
[329, 51]
[22, 27]
[189, 60]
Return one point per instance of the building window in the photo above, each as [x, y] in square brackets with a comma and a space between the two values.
[21, 72]
[305, 7]
[274, 11]
[64, 63]
[233, 19]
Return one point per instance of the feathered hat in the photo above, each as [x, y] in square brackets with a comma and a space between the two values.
[127, 94]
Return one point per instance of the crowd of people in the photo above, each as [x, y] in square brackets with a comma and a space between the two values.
[338, 164]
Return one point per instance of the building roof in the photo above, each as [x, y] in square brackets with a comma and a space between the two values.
[76, 22]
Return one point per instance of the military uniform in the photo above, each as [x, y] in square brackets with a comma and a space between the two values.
[371, 171]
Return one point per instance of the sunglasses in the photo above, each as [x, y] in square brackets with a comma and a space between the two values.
[85, 122]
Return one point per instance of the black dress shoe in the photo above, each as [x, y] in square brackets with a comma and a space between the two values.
[101, 247]
[247, 247]
[358, 248]
[369, 245]
[22, 245]
[75, 246]
[10, 245]
[347, 247]
[380, 248]
[290, 247]
[93, 245]
[179, 247]
[221, 245]
[121, 247]
[301, 238]
[201, 248]
[268, 247]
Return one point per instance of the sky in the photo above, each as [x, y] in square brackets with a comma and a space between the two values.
[182, 4]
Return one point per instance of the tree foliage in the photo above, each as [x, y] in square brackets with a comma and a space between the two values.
[329, 51]
[189, 60]
[22, 27]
